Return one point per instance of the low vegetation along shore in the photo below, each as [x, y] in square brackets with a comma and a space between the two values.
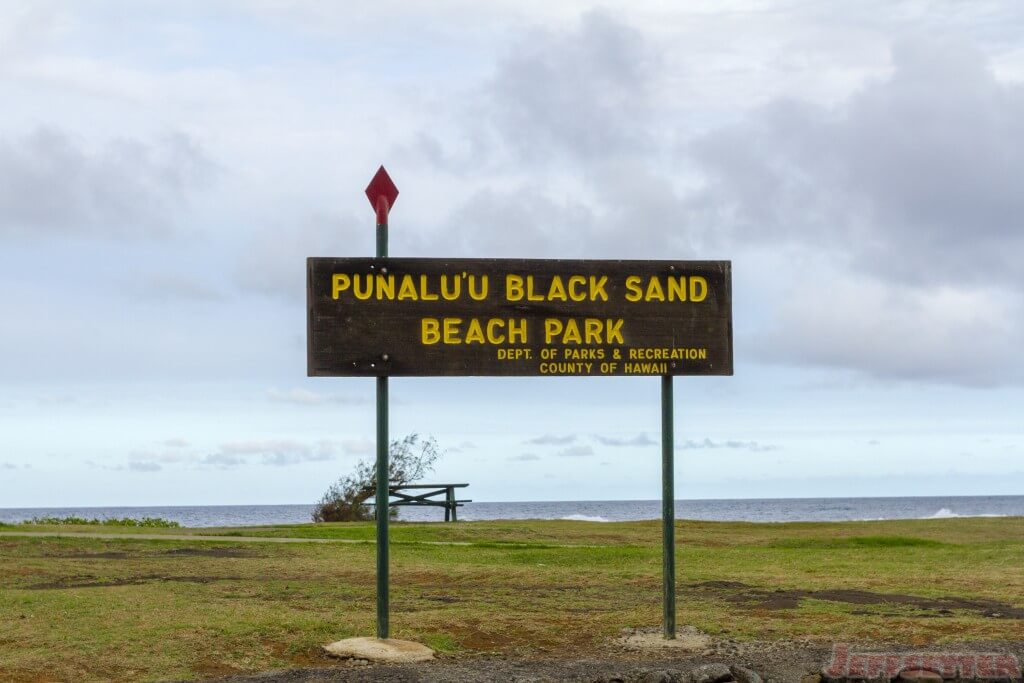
[178, 604]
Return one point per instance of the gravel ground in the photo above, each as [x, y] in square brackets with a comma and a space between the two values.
[776, 662]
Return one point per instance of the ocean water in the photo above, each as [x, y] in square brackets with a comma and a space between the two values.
[760, 510]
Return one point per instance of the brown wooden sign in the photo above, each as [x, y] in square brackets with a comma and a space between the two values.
[459, 317]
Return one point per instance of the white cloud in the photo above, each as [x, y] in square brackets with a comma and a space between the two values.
[963, 335]
[265, 452]
[524, 457]
[576, 451]
[731, 444]
[50, 183]
[638, 440]
[272, 452]
[911, 176]
[552, 440]
[305, 397]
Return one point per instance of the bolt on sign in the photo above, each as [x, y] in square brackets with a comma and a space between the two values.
[473, 317]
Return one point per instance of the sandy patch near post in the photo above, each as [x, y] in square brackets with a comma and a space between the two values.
[688, 640]
[390, 651]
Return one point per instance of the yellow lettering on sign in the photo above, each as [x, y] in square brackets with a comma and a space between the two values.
[475, 293]
[698, 288]
[573, 331]
[530, 294]
[633, 291]
[451, 330]
[573, 288]
[474, 332]
[452, 293]
[364, 293]
[425, 294]
[492, 335]
[556, 292]
[677, 288]
[430, 331]
[514, 287]
[654, 291]
[576, 283]
[613, 332]
[552, 328]
[517, 331]
[339, 283]
[407, 290]
[385, 287]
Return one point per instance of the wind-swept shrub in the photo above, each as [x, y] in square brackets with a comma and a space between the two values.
[409, 459]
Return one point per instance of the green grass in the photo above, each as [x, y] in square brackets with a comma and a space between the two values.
[130, 609]
[858, 542]
[145, 522]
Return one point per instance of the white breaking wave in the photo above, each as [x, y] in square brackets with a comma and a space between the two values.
[584, 518]
[946, 513]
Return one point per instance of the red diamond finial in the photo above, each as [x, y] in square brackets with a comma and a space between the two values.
[382, 194]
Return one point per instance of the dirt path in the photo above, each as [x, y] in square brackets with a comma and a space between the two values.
[773, 661]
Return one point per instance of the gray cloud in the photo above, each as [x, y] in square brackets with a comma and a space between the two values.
[638, 440]
[51, 185]
[583, 94]
[8, 466]
[521, 221]
[138, 464]
[729, 445]
[524, 457]
[272, 452]
[576, 451]
[305, 397]
[902, 203]
[955, 335]
[274, 260]
[914, 177]
[551, 440]
[222, 460]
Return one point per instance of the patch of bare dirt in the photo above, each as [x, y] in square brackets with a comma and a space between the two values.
[753, 597]
[109, 555]
[211, 552]
[80, 581]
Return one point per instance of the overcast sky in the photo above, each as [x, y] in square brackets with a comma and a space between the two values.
[165, 168]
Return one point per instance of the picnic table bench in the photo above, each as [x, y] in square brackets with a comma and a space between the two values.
[431, 496]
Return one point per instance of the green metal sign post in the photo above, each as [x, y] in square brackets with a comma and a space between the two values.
[382, 194]
[668, 511]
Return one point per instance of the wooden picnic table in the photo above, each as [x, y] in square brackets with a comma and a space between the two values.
[431, 496]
